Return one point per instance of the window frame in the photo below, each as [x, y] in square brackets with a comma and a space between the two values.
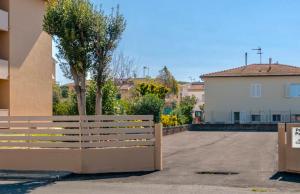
[275, 116]
[255, 116]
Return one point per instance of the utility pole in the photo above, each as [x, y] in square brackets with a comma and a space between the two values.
[144, 71]
[259, 52]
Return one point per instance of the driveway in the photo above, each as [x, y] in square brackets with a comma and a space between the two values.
[240, 160]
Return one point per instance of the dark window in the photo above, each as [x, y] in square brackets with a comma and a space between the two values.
[276, 118]
[297, 118]
[255, 118]
[198, 114]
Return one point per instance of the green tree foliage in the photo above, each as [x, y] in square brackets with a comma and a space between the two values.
[150, 104]
[56, 95]
[109, 98]
[71, 23]
[168, 80]
[64, 91]
[106, 36]
[61, 105]
[152, 88]
[185, 108]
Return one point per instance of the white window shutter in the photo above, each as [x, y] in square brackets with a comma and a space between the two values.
[258, 90]
[287, 90]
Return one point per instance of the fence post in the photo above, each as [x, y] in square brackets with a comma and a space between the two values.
[80, 132]
[158, 146]
[281, 147]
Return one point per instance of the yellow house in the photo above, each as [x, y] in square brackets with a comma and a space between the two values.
[26, 65]
[257, 93]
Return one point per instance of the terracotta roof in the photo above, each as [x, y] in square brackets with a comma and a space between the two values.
[254, 70]
[126, 86]
[197, 86]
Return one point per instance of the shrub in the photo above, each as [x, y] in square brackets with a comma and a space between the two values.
[169, 120]
[149, 104]
[184, 110]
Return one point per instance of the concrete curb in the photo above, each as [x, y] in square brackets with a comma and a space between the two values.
[40, 175]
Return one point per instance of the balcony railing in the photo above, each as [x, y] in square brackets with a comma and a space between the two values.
[3, 20]
[3, 69]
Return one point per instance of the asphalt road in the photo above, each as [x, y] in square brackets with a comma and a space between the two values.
[236, 162]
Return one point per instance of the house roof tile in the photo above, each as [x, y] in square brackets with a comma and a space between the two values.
[254, 70]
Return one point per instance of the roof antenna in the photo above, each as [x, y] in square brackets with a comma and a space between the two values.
[259, 52]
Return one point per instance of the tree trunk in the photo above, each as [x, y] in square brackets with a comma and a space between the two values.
[80, 88]
[98, 108]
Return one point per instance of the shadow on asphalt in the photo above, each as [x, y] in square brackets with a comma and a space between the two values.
[286, 177]
[233, 130]
[23, 187]
[103, 176]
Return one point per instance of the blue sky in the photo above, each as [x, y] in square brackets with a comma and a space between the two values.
[194, 37]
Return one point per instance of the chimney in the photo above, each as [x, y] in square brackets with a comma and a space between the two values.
[270, 61]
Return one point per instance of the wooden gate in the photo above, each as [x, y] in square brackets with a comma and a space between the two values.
[288, 150]
[89, 144]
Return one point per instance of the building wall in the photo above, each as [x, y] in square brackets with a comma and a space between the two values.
[223, 96]
[199, 94]
[30, 60]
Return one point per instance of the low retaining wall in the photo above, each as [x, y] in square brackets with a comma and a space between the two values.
[234, 127]
[175, 129]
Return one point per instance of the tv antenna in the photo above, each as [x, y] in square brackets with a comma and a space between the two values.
[259, 52]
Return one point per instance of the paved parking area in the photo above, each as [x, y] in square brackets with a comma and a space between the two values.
[246, 160]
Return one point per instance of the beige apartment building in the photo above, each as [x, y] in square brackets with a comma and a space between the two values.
[26, 65]
[257, 93]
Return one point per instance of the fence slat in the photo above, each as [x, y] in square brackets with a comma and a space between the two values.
[117, 137]
[40, 145]
[39, 138]
[48, 124]
[39, 131]
[118, 124]
[119, 117]
[117, 144]
[118, 130]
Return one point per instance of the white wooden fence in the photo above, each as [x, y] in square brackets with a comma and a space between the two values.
[81, 134]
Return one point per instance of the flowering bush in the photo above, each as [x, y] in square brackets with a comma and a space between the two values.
[169, 120]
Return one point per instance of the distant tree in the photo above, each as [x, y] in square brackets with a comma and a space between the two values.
[106, 35]
[122, 68]
[168, 80]
[64, 91]
[70, 23]
[56, 95]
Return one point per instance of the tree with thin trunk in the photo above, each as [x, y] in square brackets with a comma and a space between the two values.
[107, 33]
[71, 23]
[122, 68]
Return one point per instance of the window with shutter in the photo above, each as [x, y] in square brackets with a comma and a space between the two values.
[255, 90]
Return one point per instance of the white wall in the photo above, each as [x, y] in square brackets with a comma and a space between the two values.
[223, 96]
